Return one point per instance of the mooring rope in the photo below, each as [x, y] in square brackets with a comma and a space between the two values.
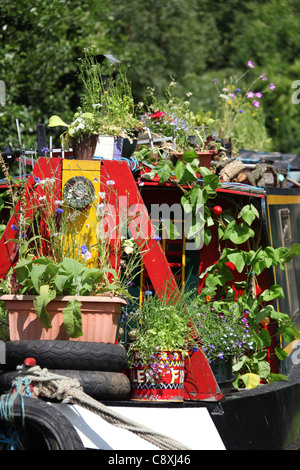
[68, 390]
[10, 439]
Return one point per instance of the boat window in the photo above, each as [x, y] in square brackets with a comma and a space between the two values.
[290, 271]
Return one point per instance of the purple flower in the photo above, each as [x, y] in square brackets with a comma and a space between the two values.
[258, 94]
[241, 111]
[157, 238]
[263, 76]
[255, 104]
[272, 86]
[36, 179]
[83, 249]
[148, 292]
[130, 283]
[59, 210]
[250, 64]
[14, 227]
[215, 80]
[250, 94]
[238, 90]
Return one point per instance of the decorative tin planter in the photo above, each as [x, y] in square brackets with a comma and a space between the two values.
[99, 318]
[169, 386]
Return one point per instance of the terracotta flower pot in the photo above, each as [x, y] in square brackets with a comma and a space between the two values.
[204, 157]
[99, 318]
[170, 384]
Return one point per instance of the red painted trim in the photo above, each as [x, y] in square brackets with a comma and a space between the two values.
[44, 168]
[143, 231]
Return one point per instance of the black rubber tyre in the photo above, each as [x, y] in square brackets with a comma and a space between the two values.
[73, 355]
[100, 385]
[45, 427]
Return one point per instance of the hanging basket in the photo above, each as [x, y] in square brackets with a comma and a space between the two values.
[99, 318]
[85, 149]
[170, 385]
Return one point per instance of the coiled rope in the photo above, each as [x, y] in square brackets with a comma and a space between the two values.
[10, 440]
[67, 390]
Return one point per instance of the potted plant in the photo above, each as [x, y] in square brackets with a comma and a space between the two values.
[170, 117]
[83, 133]
[224, 332]
[161, 337]
[106, 114]
[67, 264]
[62, 301]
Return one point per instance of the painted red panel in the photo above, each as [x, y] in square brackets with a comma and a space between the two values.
[44, 168]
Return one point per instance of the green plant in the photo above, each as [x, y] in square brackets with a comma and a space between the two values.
[160, 324]
[48, 280]
[222, 327]
[257, 306]
[84, 123]
[5, 288]
[170, 116]
[239, 112]
[197, 192]
[107, 105]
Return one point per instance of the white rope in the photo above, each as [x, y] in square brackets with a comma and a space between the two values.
[69, 390]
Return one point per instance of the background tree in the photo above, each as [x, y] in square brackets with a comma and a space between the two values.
[191, 41]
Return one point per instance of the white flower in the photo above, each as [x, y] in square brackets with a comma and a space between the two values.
[225, 97]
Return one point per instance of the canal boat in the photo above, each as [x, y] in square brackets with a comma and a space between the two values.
[212, 415]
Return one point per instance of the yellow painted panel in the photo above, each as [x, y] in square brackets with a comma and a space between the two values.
[84, 232]
[81, 165]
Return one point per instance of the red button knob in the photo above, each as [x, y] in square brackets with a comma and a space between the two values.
[30, 361]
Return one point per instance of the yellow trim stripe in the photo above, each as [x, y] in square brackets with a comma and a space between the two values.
[281, 199]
